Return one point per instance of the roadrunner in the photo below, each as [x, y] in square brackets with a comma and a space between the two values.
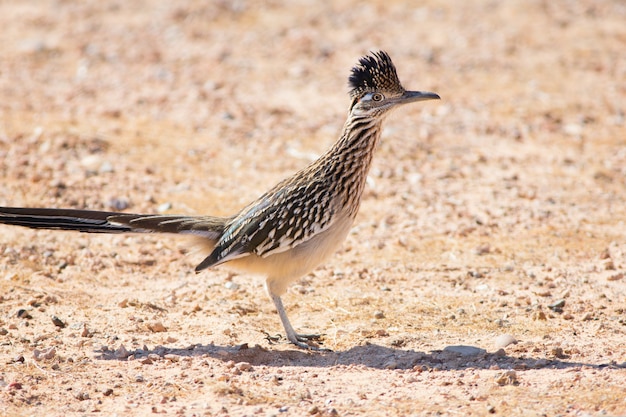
[293, 227]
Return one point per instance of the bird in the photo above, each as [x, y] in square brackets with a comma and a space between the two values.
[294, 226]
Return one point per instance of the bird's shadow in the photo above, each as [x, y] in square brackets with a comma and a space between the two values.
[367, 355]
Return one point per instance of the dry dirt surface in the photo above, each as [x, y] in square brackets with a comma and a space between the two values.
[486, 272]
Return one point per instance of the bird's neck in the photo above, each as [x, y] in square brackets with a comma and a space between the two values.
[348, 161]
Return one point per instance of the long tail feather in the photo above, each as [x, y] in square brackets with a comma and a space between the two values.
[90, 221]
[62, 219]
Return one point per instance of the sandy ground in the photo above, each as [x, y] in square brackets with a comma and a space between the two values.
[494, 215]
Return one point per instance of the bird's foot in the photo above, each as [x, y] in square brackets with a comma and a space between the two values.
[302, 341]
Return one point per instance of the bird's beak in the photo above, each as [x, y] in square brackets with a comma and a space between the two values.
[411, 96]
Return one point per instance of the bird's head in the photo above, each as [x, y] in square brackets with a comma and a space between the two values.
[376, 89]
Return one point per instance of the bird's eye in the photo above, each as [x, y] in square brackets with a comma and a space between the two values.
[377, 97]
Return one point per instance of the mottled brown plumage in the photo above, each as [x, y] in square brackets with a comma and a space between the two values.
[294, 226]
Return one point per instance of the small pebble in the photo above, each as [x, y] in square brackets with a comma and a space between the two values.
[507, 378]
[231, 285]
[379, 315]
[557, 306]
[156, 327]
[244, 366]
[559, 353]
[171, 357]
[82, 396]
[474, 274]
[139, 378]
[35, 302]
[23, 314]
[91, 163]
[121, 352]
[86, 332]
[58, 322]
[14, 386]
[162, 208]
[500, 353]
[399, 342]
[105, 167]
[504, 340]
[573, 129]
[483, 249]
[46, 354]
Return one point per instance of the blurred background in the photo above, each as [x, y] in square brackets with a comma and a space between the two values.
[144, 76]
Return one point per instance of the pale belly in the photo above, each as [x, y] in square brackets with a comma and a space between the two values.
[283, 268]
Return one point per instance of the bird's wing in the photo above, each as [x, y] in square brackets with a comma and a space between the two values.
[278, 221]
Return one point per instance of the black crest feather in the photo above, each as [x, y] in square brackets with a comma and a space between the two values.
[374, 72]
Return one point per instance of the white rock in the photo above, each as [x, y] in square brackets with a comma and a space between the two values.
[504, 340]
[465, 350]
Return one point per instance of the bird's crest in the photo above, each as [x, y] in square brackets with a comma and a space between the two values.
[374, 72]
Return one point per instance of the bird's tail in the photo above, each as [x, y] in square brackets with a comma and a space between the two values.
[90, 221]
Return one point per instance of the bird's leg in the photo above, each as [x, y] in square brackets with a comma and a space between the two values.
[295, 338]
